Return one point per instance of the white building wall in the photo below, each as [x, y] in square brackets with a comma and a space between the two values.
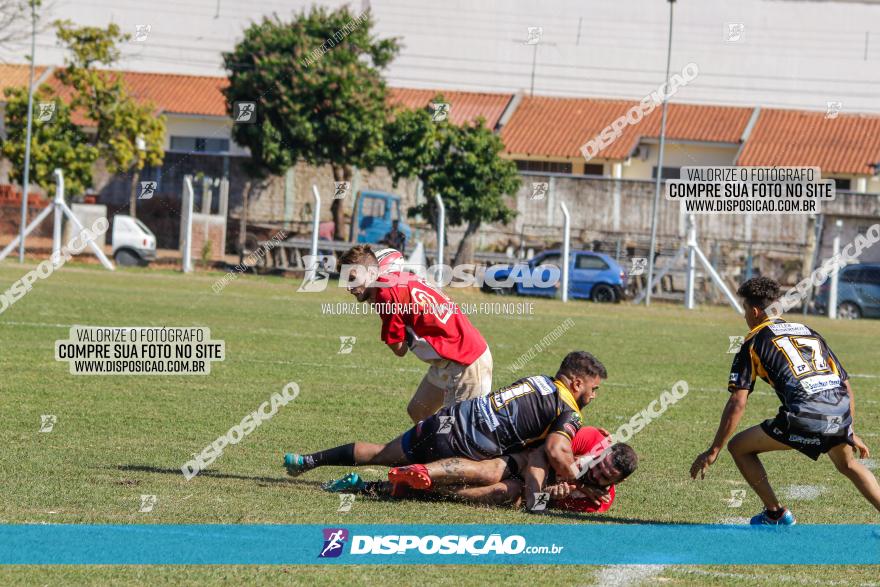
[678, 155]
[795, 54]
[202, 127]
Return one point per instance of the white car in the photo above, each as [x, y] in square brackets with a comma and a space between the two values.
[133, 242]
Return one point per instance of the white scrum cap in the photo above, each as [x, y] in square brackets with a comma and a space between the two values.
[390, 260]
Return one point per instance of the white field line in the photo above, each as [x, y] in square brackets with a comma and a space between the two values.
[776, 577]
[803, 492]
[37, 324]
[624, 575]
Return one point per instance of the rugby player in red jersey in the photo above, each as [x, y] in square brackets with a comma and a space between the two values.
[509, 479]
[419, 318]
[816, 415]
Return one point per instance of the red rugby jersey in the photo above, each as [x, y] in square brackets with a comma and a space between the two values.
[584, 441]
[436, 326]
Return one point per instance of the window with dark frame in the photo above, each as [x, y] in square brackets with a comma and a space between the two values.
[842, 183]
[543, 166]
[668, 173]
[199, 145]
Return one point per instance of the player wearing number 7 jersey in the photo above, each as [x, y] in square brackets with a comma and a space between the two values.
[418, 317]
[816, 415]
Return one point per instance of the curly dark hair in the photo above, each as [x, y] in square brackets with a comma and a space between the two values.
[582, 363]
[759, 292]
[624, 458]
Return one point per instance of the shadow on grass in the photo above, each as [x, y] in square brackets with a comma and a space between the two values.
[219, 475]
[581, 517]
[577, 516]
[606, 519]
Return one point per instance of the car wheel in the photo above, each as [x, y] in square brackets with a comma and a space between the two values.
[125, 258]
[848, 311]
[603, 293]
[503, 291]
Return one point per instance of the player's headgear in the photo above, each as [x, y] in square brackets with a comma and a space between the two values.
[390, 260]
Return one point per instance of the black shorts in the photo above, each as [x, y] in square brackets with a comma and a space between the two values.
[809, 443]
[425, 443]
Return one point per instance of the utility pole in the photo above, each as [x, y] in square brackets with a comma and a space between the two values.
[30, 124]
[653, 248]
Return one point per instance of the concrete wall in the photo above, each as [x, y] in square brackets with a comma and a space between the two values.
[208, 229]
[858, 212]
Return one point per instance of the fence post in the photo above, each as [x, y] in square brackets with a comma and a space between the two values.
[188, 197]
[566, 249]
[835, 252]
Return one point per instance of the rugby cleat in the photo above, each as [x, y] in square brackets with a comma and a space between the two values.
[295, 464]
[351, 482]
[412, 476]
[762, 519]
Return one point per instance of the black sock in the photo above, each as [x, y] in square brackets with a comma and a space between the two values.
[377, 488]
[341, 456]
[775, 514]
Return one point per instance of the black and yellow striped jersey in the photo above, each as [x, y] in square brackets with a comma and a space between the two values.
[515, 417]
[800, 366]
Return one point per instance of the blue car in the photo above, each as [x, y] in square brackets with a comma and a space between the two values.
[591, 276]
[858, 292]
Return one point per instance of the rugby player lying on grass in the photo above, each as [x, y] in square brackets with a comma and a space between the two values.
[511, 478]
[514, 418]
[816, 415]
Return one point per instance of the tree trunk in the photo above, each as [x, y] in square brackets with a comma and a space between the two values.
[243, 217]
[465, 252]
[337, 207]
[132, 201]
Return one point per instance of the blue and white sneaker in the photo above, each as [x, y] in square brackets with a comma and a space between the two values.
[351, 482]
[762, 519]
[295, 464]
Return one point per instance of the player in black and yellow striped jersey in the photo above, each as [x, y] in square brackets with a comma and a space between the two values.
[522, 415]
[816, 415]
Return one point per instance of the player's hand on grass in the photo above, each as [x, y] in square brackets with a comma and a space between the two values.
[864, 451]
[560, 490]
[598, 495]
[702, 463]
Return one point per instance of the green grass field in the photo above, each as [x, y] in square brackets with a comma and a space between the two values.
[118, 437]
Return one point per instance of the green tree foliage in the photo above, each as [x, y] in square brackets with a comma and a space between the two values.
[101, 96]
[461, 163]
[318, 90]
[54, 143]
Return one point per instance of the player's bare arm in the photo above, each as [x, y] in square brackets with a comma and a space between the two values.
[534, 475]
[560, 456]
[730, 417]
[860, 445]
[398, 348]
